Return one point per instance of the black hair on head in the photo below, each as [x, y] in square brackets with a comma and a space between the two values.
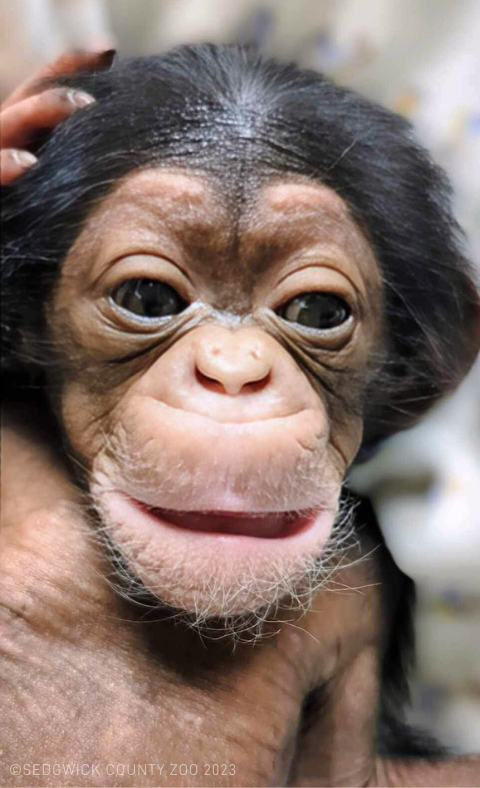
[230, 113]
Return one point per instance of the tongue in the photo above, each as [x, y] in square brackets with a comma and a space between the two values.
[267, 526]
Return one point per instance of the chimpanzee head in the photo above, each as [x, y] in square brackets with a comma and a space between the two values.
[231, 274]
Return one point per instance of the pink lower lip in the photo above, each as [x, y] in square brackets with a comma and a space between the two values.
[264, 525]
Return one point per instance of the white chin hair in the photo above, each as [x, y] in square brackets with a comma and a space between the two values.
[215, 576]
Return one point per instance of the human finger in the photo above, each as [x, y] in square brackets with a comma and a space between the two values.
[20, 122]
[67, 63]
[13, 163]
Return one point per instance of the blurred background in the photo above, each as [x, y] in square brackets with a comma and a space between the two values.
[420, 58]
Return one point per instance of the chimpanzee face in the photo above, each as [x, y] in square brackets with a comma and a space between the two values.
[212, 363]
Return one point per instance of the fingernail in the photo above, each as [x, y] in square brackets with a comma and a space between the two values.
[79, 98]
[24, 158]
[107, 58]
[101, 44]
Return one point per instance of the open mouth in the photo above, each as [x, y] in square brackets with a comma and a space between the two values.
[264, 525]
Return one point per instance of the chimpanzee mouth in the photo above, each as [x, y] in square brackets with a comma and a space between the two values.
[265, 525]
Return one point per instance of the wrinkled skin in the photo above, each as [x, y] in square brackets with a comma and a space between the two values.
[210, 402]
[142, 688]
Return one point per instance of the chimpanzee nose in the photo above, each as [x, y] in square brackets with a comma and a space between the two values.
[232, 361]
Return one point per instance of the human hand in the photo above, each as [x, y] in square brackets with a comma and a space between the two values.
[32, 109]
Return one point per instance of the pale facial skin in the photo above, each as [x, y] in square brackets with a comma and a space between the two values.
[214, 417]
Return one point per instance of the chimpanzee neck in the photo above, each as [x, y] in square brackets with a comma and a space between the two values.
[68, 700]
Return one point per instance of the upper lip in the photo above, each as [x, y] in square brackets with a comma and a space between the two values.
[231, 426]
[240, 421]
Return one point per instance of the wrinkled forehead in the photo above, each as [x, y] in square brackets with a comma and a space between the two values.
[197, 219]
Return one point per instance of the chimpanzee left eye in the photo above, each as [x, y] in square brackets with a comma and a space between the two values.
[148, 298]
[316, 310]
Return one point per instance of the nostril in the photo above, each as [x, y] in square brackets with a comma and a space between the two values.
[232, 385]
[256, 385]
[209, 383]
